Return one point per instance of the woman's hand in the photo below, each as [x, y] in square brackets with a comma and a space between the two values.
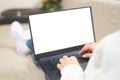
[87, 50]
[65, 61]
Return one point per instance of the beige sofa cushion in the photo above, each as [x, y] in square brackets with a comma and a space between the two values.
[15, 67]
[106, 14]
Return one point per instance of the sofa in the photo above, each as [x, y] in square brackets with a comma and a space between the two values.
[106, 14]
[106, 18]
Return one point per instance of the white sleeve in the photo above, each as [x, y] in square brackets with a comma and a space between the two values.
[72, 72]
[104, 63]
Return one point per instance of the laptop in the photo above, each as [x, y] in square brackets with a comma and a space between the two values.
[59, 33]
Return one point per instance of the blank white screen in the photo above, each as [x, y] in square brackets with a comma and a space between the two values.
[62, 29]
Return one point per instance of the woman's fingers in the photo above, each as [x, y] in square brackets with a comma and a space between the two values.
[65, 61]
[59, 66]
[87, 55]
[85, 49]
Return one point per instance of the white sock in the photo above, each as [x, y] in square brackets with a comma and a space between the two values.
[19, 36]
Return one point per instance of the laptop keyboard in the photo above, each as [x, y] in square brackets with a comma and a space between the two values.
[50, 63]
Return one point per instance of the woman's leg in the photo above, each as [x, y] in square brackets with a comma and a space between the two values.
[30, 46]
[23, 41]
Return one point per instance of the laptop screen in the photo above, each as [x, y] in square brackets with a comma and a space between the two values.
[62, 29]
